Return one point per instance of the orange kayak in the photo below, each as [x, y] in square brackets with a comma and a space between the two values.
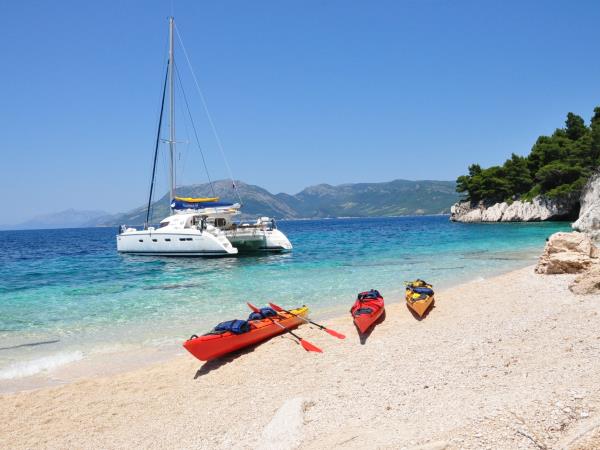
[367, 309]
[211, 346]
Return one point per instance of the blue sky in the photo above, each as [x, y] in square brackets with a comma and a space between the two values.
[301, 92]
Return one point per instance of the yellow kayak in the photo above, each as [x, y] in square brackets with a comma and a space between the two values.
[419, 296]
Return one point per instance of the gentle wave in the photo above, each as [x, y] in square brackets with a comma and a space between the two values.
[30, 344]
[45, 364]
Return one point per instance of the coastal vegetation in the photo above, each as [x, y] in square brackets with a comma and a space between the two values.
[557, 167]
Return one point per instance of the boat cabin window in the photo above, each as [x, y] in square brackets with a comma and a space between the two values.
[167, 240]
[192, 222]
[195, 221]
[220, 222]
[163, 224]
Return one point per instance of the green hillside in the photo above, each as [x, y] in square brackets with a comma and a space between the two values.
[394, 198]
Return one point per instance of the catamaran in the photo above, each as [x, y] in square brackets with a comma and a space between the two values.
[202, 226]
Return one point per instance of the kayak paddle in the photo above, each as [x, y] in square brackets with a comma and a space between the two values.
[327, 330]
[305, 344]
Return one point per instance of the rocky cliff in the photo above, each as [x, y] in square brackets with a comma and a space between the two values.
[589, 214]
[539, 209]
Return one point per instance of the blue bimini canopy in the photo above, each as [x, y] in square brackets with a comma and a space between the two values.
[179, 204]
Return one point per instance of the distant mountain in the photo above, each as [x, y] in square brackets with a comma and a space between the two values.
[393, 198]
[69, 218]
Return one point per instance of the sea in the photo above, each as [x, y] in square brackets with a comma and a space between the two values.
[71, 306]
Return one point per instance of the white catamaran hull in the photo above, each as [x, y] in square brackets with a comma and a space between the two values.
[259, 240]
[190, 243]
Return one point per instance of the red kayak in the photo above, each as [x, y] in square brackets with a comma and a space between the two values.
[211, 346]
[367, 309]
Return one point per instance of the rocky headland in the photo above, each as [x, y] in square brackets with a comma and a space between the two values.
[538, 209]
[585, 208]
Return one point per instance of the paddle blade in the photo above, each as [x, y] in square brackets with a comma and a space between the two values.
[310, 347]
[252, 307]
[335, 333]
[275, 307]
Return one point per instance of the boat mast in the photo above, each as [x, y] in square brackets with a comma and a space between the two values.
[160, 121]
[171, 113]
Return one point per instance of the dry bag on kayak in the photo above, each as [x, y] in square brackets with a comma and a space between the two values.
[369, 295]
[263, 314]
[418, 283]
[422, 290]
[255, 316]
[234, 326]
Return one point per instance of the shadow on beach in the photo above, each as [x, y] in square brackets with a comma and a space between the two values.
[215, 364]
[364, 336]
[416, 316]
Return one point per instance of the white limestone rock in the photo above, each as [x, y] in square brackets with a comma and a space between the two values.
[539, 209]
[567, 253]
[589, 214]
[587, 282]
[494, 213]
[464, 212]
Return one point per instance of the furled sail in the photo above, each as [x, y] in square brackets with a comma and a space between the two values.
[179, 204]
[197, 199]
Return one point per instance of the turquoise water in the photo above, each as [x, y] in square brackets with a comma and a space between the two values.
[66, 294]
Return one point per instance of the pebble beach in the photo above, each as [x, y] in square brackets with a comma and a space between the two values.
[505, 362]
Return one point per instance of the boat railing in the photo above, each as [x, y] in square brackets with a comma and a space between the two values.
[253, 230]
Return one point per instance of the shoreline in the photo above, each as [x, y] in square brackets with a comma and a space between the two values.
[65, 366]
[304, 219]
[493, 365]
